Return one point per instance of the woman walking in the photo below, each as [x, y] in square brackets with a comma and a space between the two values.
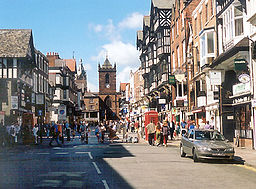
[158, 133]
[165, 131]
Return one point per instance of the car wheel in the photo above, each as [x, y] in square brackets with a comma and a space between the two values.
[182, 153]
[195, 158]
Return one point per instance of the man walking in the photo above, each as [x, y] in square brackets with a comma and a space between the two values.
[151, 132]
[55, 134]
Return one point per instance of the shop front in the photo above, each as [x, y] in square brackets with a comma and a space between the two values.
[243, 131]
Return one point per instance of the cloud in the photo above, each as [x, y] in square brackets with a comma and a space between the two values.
[119, 52]
[132, 21]
[124, 75]
[92, 87]
[96, 27]
[88, 67]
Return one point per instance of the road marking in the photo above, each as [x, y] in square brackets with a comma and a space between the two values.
[62, 153]
[89, 154]
[97, 168]
[105, 184]
[247, 167]
[57, 148]
[43, 153]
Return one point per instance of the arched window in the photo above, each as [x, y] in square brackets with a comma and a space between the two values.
[107, 78]
[108, 101]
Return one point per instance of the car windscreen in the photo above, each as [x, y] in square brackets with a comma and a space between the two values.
[209, 135]
[203, 135]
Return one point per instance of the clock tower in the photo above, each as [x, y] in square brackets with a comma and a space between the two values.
[109, 98]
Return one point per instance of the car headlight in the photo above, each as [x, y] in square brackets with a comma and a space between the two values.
[203, 148]
[231, 149]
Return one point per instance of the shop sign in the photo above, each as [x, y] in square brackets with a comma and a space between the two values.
[241, 100]
[161, 101]
[230, 117]
[244, 78]
[241, 88]
[215, 77]
[179, 103]
[14, 102]
[172, 79]
[240, 64]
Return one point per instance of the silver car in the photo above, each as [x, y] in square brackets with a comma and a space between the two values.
[205, 144]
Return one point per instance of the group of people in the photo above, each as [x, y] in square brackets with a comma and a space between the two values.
[9, 134]
[60, 129]
[158, 133]
[109, 127]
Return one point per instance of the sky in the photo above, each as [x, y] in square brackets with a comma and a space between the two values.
[89, 29]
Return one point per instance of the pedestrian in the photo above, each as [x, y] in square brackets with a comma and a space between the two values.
[2, 134]
[207, 125]
[151, 132]
[35, 132]
[212, 123]
[55, 134]
[97, 133]
[12, 134]
[172, 128]
[165, 131]
[67, 128]
[102, 131]
[178, 129]
[158, 130]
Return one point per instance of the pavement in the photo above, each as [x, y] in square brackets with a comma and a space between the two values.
[244, 155]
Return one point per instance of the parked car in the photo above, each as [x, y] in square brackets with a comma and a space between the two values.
[206, 144]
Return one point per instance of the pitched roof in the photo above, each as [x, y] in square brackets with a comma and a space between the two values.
[15, 42]
[107, 64]
[163, 4]
[71, 64]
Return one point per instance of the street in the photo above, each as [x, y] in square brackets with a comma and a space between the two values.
[117, 165]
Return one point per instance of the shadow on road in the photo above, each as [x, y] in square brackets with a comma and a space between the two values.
[21, 166]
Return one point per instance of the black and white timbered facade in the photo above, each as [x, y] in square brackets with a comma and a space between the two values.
[16, 69]
[154, 45]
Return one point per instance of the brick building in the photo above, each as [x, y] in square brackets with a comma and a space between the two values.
[108, 96]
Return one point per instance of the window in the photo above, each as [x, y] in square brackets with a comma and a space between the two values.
[238, 12]
[233, 23]
[177, 28]
[184, 51]
[159, 39]
[173, 62]
[195, 26]
[172, 34]
[107, 78]
[178, 56]
[212, 6]
[207, 48]
[200, 21]
[182, 20]
[64, 94]
[206, 12]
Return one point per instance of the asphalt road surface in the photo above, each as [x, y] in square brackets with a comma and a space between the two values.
[117, 165]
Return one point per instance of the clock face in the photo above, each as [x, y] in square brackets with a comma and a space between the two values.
[107, 85]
